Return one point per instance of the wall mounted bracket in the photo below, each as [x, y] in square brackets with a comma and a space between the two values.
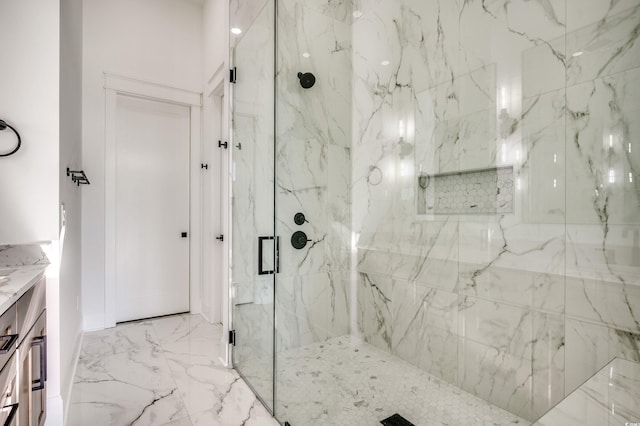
[78, 177]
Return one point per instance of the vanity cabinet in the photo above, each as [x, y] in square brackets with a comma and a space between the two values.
[24, 373]
[9, 397]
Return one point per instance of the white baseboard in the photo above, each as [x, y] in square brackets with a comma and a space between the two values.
[67, 392]
[55, 414]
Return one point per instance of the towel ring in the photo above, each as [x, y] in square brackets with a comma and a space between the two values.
[3, 126]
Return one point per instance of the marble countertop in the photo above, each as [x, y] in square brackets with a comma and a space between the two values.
[610, 397]
[21, 266]
[18, 280]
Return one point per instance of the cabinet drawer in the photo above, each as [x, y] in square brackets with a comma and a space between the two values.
[32, 362]
[29, 308]
[8, 338]
[9, 395]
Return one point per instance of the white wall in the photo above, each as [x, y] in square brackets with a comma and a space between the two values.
[29, 70]
[152, 40]
[70, 318]
[216, 33]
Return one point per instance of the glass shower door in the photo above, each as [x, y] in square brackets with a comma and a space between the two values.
[254, 243]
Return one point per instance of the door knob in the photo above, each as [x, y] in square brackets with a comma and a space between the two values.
[183, 235]
[299, 240]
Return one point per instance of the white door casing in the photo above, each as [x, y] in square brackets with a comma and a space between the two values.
[214, 179]
[116, 89]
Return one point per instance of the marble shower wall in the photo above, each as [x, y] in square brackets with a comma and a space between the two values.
[313, 170]
[520, 308]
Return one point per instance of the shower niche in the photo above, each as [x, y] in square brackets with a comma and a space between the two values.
[480, 191]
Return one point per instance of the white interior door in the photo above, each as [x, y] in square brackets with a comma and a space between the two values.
[152, 208]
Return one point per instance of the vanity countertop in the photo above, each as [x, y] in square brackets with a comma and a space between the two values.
[21, 267]
[19, 280]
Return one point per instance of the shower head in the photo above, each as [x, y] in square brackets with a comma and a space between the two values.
[307, 80]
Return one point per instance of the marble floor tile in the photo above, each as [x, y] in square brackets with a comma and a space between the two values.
[167, 372]
[164, 371]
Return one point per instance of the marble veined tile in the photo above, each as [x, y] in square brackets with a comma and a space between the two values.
[589, 347]
[503, 327]
[188, 334]
[581, 13]
[609, 303]
[541, 175]
[437, 128]
[301, 304]
[242, 13]
[544, 67]
[174, 379]
[548, 362]
[310, 41]
[130, 337]
[337, 9]
[249, 414]
[478, 146]
[602, 155]
[424, 328]
[537, 249]
[125, 388]
[186, 421]
[611, 396]
[608, 46]
[499, 32]
[501, 378]
[375, 315]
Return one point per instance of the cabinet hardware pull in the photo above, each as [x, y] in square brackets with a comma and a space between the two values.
[7, 342]
[42, 342]
[12, 413]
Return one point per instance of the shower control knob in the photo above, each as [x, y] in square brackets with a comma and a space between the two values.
[307, 80]
[299, 218]
[299, 240]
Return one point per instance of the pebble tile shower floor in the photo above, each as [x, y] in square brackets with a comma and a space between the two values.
[344, 381]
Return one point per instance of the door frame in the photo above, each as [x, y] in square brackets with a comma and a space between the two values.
[215, 130]
[218, 86]
[116, 85]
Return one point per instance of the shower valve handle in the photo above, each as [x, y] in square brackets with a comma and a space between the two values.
[299, 240]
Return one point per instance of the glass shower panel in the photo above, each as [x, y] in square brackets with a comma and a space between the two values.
[313, 174]
[253, 255]
[455, 192]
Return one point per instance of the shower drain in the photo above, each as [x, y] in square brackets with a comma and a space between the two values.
[396, 420]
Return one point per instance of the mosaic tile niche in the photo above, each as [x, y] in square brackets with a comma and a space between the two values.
[486, 191]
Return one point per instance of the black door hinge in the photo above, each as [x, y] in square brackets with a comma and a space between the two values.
[222, 144]
[204, 166]
[232, 337]
[233, 74]
[287, 424]
[220, 237]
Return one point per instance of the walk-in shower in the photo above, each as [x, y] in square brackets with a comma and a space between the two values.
[467, 172]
